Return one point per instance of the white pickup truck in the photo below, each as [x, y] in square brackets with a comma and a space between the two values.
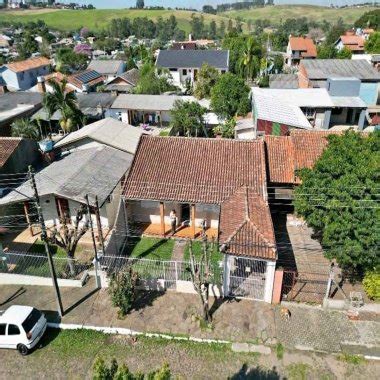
[21, 328]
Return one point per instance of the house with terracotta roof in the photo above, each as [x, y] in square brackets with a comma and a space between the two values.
[300, 48]
[23, 75]
[353, 43]
[16, 154]
[85, 81]
[216, 184]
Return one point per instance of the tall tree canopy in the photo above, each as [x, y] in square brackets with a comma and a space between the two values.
[207, 77]
[372, 45]
[230, 96]
[339, 199]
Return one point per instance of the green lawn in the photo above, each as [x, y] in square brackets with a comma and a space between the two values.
[68, 20]
[150, 248]
[216, 256]
[39, 247]
[279, 13]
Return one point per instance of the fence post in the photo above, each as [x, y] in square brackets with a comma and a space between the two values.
[226, 276]
[163, 267]
[176, 273]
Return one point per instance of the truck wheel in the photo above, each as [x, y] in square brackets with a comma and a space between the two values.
[22, 349]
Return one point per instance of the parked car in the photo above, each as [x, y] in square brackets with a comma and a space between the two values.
[21, 328]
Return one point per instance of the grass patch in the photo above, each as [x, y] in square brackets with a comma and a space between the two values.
[216, 256]
[39, 247]
[351, 359]
[279, 351]
[164, 133]
[298, 371]
[150, 248]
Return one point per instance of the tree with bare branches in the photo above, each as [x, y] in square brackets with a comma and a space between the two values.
[201, 274]
[67, 235]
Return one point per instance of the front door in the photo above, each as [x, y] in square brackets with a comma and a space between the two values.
[185, 213]
[63, 209]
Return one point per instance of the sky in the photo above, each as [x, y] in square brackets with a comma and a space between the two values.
[199, 3]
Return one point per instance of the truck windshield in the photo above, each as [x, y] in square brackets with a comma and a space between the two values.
[31, 320]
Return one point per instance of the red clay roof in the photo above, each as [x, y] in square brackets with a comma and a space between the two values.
[195, 170]
[354, 43]
[305, 45]
[7, 146]
[28, 64]
[246, 227]
[287, 154]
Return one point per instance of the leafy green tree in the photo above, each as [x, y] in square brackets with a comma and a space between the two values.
[187, 118]
[345, 53]
[28, 46]
[372, 45]
[278, 63]
[207, 77]
[369, 20]
[226, 129]
[152, 83]
[230, 96]
[249, 62]
[69, 61]
[64, 101]
[335, 32]
[326, 51]
[25, 128]
[338, 199]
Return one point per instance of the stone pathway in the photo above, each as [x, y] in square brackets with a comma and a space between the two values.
[179, 250]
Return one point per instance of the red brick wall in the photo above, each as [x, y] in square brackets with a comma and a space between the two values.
[303, 79]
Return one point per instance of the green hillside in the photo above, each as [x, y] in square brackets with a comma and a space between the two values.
[279, 13]
[97, 19]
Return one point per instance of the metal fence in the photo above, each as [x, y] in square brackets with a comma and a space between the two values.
[304, 287]
[167, 272]
[37, 265]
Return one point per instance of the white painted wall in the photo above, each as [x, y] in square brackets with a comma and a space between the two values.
[269, 281]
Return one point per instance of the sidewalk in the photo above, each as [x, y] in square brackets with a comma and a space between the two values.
[309, 328]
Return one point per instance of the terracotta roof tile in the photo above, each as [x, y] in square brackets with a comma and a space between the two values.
[7, 146]
[287, 154]
[28, 64]
[280, 158]
[353, 42]
[195, 170]
[303, 44]
[246, 227]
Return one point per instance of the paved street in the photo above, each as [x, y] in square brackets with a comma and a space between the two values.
[170, 312]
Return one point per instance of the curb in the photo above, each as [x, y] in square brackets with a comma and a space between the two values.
[124, 331]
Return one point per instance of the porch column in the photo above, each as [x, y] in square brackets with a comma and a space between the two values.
[193, 220]
[326, 121]
[269, 280]
[162, 217]
[277, 286]
[362, 118]
[26, 211]
[160, 119]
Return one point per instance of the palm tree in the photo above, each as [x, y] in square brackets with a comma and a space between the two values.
[249, 62]
[65, 102]
[25, 128]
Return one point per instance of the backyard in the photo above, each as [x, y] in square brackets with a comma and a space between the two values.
[71, 354]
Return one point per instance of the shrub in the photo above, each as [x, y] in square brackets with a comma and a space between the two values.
[279, 351]
[115, 372]
[123, 290]
[371, 284]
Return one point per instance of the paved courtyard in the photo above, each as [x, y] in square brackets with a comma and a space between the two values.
[239, 321]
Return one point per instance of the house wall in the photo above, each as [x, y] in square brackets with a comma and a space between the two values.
[149, 212]
[24, 80]
[109, 210]
[114, 113]
[179, 78]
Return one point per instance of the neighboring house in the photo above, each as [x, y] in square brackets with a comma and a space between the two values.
[315, 73]
[353, 43]
[94, 106]
[276, 111]
[194, 177]
[63, 185]
[184, 65]
[16, 154]
[285, 81]
[109, 68]
[138, 109]
[44, 83]
[23, 75]
[300, 48]
[124, 83]
[85, 81]
[107, 131]
[17, 105]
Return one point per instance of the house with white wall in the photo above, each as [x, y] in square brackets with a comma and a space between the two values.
[184, 65]
[63, 185]
[22, 75]
[216, 184]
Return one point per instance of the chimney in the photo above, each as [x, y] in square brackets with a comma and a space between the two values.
[41, 86]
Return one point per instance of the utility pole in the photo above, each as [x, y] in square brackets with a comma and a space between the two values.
[96, 260]
[100, 229]
[44, 239]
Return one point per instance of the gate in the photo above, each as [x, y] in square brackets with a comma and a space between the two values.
[304, 287]
[246, 277]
